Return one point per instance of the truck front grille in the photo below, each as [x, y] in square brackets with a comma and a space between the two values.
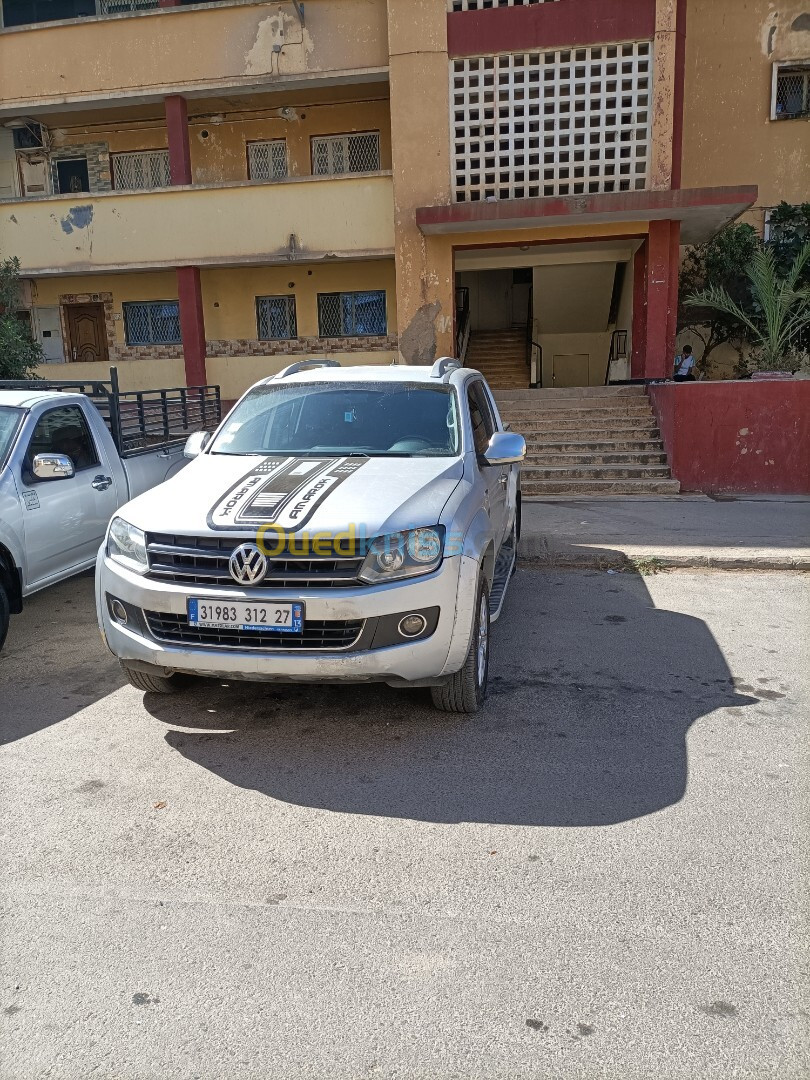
[203, 560]
[317, 636]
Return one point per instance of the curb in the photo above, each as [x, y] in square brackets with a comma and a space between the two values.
[535, 553]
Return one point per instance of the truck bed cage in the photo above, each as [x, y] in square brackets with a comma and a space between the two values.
[140, 421]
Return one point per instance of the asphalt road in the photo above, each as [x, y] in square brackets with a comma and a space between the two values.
[600, 876]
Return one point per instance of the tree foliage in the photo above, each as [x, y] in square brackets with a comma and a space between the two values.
[19, 354]
[720, 263]
[778, 312]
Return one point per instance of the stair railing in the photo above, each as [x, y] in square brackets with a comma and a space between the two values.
[618, 350]
[534, 350]
[462, 323]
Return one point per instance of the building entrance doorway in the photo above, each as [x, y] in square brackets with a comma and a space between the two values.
[87, 333]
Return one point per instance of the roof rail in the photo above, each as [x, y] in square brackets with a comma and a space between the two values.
[305, 365]
[443, 366]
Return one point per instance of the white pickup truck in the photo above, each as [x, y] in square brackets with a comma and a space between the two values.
[69, 459]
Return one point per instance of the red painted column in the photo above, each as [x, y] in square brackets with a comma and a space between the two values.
[179, 149]
[639, 331]
[192, 324]
[657, 361]
[189, 290]
[674, 274]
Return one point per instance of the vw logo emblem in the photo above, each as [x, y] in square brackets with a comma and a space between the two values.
[247, 565]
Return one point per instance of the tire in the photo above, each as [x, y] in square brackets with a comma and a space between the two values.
[465, 691]
[151, 684]
[5, 615]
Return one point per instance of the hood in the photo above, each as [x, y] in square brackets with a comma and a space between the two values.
[221, 494]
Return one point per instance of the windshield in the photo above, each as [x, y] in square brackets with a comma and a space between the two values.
[378, 419]
[9, 419]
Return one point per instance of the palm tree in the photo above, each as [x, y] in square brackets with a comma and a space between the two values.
[783, 305]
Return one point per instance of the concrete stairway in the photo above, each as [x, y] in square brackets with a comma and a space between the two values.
[588, 441]
[500, 355]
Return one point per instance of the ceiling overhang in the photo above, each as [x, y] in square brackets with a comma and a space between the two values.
[701, 211]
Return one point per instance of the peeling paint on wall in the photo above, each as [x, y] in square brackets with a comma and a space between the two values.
[78, 217]
[801, 23]
[281, 46]
[418, 341]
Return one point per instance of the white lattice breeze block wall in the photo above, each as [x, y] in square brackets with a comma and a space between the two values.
[569, 122]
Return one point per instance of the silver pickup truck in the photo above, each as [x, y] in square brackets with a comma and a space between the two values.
[343, 524]
[68, 460]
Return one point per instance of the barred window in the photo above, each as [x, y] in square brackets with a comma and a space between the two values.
[267, 160]
[153, 322]
[791, 91]
[354, 314]
[564, 122]
[141, 171]
[335, 154]
[275, 318]
[122, 7]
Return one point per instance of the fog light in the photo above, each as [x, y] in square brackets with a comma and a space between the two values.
[412, 625]
[118, 610]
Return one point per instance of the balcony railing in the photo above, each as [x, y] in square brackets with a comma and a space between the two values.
[235, 224]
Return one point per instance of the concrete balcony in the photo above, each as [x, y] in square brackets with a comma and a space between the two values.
[144, 55]
[299, 220]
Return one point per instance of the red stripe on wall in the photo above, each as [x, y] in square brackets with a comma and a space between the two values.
[548, 26]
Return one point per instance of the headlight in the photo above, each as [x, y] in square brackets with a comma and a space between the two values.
[127, 545]
[403, 555]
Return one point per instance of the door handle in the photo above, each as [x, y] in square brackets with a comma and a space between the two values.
[503, 479]
[101, 482]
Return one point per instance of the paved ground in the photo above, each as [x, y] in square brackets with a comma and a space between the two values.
[598, 877]
[754, 532]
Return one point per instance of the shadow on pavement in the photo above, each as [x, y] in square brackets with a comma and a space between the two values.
[54, 663]
[593, 691]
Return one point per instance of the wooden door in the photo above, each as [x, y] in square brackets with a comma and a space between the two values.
[570, 369]
[87, 333]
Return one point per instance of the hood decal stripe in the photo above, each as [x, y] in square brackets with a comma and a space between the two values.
[281, 491]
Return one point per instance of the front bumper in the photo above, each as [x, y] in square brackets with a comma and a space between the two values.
[452, 588]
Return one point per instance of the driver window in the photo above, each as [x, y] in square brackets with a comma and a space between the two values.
[483, 425]
[63, 431]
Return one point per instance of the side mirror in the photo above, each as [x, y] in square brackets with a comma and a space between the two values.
[505, 448]
[52, 467]
[196, 443]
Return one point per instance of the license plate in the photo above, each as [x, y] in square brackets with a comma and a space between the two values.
[238, 615]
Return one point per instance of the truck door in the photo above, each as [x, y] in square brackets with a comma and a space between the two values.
[65, 519]
[495, 476]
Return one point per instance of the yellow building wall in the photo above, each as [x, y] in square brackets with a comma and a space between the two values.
[229, 301]
[729, 138]
[190, 226]
[219, 150]
[171, 49]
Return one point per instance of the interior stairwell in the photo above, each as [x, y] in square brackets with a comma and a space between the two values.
[590, 440]
[501, 356]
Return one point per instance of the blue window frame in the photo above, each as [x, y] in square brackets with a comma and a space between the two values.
[152, 322]
[354, 314]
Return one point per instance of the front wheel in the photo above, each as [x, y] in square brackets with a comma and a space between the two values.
[151, 684]
[465, 691]
[5, 616]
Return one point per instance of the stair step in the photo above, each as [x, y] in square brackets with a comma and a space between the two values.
[597, 446]
[539, 488]
[542, 460]
[556, 394]
[597, 472]
[568, 416]
[628, 428]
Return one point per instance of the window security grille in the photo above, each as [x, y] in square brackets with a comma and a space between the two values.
[141, 171]
[267, 160]
[120, 7]
[335, 154]
[481, 5]
[275, 318]
[358, 314]
[569, 122]
[791, 92]
[155, 322]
